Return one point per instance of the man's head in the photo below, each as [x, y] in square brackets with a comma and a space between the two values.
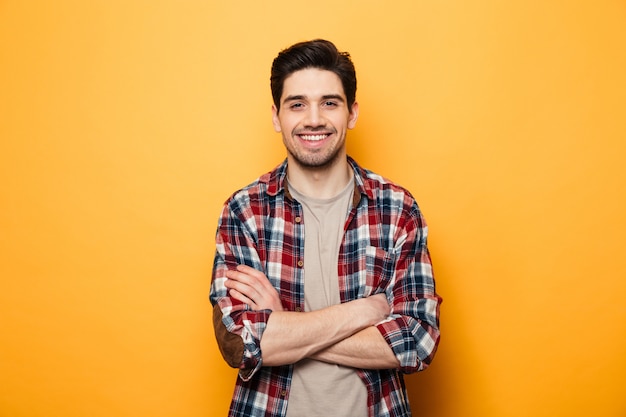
[319, 54]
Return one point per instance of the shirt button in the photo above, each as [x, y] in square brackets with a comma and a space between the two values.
[283, 393]
[298, 219]
[298, 309]
[300, 263]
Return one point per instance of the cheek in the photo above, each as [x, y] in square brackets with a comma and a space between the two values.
[342, 122]
[288, 125]
[342, 125]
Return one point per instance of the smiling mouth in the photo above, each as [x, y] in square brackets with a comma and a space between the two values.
[314, 138]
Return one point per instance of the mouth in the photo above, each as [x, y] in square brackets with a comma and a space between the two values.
[313, 137]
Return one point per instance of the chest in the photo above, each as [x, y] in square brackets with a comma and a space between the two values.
[366, 258]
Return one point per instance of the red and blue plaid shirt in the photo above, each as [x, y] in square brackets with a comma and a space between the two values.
[383, 250]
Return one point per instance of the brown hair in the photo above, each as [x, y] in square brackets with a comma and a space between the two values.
[318, 53]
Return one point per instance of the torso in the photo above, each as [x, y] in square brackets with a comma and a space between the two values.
[319, 388]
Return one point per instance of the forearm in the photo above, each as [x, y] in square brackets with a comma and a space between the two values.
[366, 349]
[291, 336]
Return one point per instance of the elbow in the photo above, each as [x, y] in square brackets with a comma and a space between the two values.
[424, 355]
[418, 353]
[416, 364]
[413, 343]
[231, 345]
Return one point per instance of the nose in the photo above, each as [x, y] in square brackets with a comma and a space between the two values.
[313, 117]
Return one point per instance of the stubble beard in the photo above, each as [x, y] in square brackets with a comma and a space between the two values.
[316, 160]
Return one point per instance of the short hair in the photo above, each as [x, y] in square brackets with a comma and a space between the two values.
[318, 53]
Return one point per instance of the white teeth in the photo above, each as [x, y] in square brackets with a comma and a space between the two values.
[313, 137]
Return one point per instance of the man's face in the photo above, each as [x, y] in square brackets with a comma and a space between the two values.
[314, 117]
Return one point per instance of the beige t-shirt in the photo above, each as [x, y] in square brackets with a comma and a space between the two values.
[319, 388]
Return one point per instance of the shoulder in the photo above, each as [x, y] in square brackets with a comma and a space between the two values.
[258, 191]
[385, 192]
[392, 205]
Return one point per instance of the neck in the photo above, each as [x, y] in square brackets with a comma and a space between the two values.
[319, 182]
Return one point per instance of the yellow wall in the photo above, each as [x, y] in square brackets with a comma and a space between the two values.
[124, 125]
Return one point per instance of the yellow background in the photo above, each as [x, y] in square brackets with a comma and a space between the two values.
[124, 125]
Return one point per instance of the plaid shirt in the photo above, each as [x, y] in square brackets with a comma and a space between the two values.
[383, 250]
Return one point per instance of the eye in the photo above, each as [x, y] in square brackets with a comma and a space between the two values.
[296, 106]
[330, 103]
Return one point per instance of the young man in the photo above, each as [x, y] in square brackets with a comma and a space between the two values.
[322, 287]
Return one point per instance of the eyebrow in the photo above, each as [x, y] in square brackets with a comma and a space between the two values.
[324, 97]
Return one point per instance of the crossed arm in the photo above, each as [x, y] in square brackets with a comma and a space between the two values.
[343, 334]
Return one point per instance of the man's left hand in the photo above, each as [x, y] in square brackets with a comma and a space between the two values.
[252, 287]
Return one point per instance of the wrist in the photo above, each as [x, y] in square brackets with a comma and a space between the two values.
[372, 310]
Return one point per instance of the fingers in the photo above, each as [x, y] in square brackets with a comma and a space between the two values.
[239, 296]
[247, 275]
[252, 273]
[252, 287]
[251, 277]
[381, 303]
[245, 269]
[242, 286]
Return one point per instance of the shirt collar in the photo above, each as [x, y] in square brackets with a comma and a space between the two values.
[276, 181]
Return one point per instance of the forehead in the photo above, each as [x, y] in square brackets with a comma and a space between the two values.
[312, 83]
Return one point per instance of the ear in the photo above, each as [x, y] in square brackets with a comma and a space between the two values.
[275, 120]
[354, 114]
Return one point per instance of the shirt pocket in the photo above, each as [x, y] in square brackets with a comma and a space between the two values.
[379, 269]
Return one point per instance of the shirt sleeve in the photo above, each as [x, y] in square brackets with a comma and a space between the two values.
[412, 330]
[238, 328]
